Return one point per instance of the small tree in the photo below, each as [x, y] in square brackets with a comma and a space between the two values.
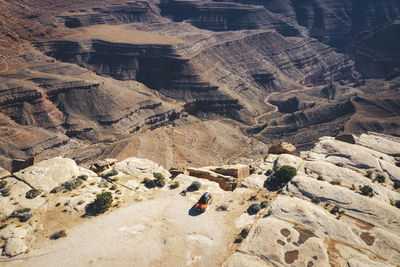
[102, 202]
[281, 177]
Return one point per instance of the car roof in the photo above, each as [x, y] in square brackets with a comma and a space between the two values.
[206, 194]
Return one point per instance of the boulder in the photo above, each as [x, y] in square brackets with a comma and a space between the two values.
[282, 148]
[14, 247]
[254, 181]
[102, 165]
[49, 173]
[4, 173]
[287, 159]
[348, 138]
[227, 183]
[238, 171]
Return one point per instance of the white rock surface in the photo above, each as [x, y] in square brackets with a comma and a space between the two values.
[385, 144]
[141, 168]
[15, 246]
[49, 173]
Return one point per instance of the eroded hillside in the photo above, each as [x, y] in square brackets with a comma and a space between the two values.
[189, 81]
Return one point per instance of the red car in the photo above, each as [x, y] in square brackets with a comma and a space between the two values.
[205, 200]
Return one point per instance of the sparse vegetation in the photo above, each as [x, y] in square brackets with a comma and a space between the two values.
[5, 192]
[59, 234]
[113, 172]
[335, 210]
[72, 184]
[158, 175]
[353, 187]
[175, 184]
[366, 190]
[335, 182]
[368, 174]
[31, 194]
[281, 177]
[320, 178]
[315, 200]
[264, 204]
[253, 209]
[3, 183]
[101, 204]
[396, 184]
[242, 235]
[380, 178]
[83, 177]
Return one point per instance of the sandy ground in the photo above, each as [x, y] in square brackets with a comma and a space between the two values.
[160, 230]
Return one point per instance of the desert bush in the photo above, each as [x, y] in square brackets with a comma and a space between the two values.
[5, 192]
[335, 182]
[3, 183]
[31, 194]
[396, 184]
[149, 183]
[315, 200]
[264, 204]
[353, 187]
[195, 186]
[113, 187]
[158, 175]
[335, 210]
[102, 202]
[55, 190]
[368, 174]
[175, 184]
[253, 209]
[83, 177]
[59, 234]
[113, 172]
[281, 177]
[72, 184]
[380, 178]
[25, 217]
[242, 235]
[320, 178]
[366, 190]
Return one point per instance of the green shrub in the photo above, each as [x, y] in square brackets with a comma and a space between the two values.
[159, 183]
[353, 187]
[175, 184]
[3, 183]
[320, 178]
[380, 178]
[253, 209]
[396, 185]
[242, 235]
[83, 177]
[72, 184]
[31, 194]
[281, 177]
[102, 202]
[335, 210]
[366, 190]
[264, 204]
[5, 192]
[368, 174]
[59, 234]
[158, 175]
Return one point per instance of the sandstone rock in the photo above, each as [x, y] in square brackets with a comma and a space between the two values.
[254, 181]
[382, 143]
[20, 164]
[141, 168]
[367, 209]
[176, 171]
[348, 138]
[238, 171]
[349, 154]
[15, 246]
[392, 170]
[4, 173]
[227, 183]
[282, 148]
[287, 159]
[102, 165]
[49, 173]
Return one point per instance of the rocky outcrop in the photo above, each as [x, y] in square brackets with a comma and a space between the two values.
[282, 148]
[227, 16]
